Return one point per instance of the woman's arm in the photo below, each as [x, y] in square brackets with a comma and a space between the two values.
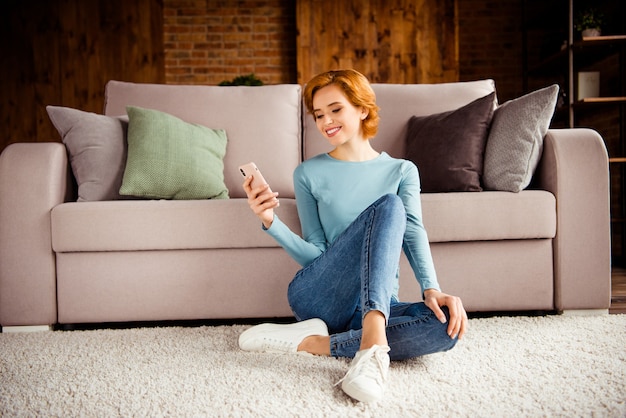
[416, 245]
[417, 249]
[263, 202]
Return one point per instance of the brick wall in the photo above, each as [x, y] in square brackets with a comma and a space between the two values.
[491, 44]
[209, 41]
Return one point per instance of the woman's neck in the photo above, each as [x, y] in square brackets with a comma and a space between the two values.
[362, 151]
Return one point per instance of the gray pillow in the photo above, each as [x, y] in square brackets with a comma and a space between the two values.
[515, 141]
[96, 145]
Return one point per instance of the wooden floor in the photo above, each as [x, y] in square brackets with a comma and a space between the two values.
[618, 291]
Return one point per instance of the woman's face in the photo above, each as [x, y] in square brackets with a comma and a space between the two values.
[336, 118]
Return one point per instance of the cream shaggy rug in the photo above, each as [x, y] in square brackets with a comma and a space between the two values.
[505, 367]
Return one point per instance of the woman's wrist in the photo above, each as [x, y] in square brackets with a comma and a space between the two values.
[267, 222]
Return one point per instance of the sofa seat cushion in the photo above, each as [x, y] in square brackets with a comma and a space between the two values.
[205, 224]
[162, 225]
[489, 216]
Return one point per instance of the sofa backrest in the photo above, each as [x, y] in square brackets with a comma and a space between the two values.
[398, 102]
[262, 123]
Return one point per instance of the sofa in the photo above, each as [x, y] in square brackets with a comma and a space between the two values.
[63, 261]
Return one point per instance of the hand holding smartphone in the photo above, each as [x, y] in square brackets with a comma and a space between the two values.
[257, 178]
[264, 210]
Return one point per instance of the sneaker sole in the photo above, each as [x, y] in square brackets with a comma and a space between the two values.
[359, 395]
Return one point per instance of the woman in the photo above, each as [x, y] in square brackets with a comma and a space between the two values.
[359, 209]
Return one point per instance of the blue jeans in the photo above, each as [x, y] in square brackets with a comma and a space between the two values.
[356, 274]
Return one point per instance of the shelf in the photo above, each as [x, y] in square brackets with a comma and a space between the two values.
[592, 47]
[596, 100]
[599, 40]
[554, 54]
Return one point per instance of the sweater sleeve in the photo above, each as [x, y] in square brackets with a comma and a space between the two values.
[307, 248]
[416, 245]
[300, 250]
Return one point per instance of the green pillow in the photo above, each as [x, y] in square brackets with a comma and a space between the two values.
[169, 158]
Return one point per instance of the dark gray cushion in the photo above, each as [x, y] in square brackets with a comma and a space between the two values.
[448, 148]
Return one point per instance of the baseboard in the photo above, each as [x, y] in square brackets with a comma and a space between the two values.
[26, 328]
[585, 312]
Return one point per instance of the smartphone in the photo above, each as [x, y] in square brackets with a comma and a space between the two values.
[257, 177]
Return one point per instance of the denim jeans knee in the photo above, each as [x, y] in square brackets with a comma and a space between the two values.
[357, 271]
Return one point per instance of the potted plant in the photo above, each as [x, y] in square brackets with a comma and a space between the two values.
[243, 80]
[589, 23]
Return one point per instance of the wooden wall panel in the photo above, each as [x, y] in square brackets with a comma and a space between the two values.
[390, 41]
[62, 52]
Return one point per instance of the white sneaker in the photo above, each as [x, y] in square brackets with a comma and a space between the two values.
[366, 378]
[280, 338]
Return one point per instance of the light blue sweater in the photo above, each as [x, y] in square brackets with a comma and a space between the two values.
[331, 193]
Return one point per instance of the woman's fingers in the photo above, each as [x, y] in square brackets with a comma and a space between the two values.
[458, 318]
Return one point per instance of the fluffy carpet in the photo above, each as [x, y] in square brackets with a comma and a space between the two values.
[505, 367]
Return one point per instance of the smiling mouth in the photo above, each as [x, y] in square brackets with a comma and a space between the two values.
[333, 131]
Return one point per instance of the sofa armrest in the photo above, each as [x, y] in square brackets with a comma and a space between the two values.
[33, 179]
[575, 168]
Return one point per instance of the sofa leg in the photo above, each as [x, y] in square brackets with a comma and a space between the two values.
[585, 312]
[26, 328]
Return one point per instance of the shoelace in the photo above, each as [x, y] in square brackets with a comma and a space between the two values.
[273, 343]
[371, 365]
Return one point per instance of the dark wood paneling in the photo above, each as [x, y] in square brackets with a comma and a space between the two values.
[62, 52]
[390, 41]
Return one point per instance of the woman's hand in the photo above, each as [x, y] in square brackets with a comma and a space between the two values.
[434, 299]
[262, 201]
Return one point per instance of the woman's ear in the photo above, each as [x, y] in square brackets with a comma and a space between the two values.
[364, 113]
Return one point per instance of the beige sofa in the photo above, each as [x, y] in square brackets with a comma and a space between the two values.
[67, 262]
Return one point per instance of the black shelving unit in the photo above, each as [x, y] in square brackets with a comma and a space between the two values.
[555, 53]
